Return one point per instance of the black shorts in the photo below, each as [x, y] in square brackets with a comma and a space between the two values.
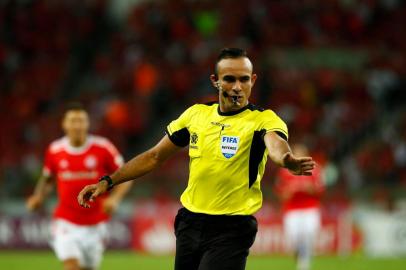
[209, 242]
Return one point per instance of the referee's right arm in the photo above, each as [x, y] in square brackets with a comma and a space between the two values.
[136, 167]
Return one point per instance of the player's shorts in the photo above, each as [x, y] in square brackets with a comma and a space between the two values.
[301, 226]
[72, 241]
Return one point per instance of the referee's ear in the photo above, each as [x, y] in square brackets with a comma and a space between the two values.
[214, 81]
[253, 79]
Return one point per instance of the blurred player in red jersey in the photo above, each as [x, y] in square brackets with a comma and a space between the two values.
[300, 197]
[72, 162]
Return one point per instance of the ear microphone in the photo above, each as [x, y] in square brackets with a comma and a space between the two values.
[224, 93]
[218, 86]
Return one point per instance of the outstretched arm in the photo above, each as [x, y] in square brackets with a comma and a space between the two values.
[136, 167]
[281, 154]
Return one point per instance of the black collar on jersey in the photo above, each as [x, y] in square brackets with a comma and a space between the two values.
[248, 106]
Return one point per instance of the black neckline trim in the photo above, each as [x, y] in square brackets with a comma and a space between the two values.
[249, 105]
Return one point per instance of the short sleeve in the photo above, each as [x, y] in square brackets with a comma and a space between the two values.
[48, 168]
[272, 122]
[177, 130]
[114, 160]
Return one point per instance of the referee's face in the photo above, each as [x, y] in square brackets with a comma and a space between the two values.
[234, 81]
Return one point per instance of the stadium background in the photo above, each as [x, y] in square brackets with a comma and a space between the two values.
[334, 70]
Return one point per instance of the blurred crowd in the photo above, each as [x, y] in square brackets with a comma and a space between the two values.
[334, 70]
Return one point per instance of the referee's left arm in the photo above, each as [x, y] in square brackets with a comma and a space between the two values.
[281, 154]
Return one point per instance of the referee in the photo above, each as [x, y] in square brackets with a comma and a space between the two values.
[229, 143]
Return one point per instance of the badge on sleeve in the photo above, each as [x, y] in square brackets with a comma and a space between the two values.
[229, 145]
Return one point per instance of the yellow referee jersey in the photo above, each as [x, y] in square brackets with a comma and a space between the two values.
[227, 156]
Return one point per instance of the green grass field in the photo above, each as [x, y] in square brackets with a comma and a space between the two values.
[21, 260]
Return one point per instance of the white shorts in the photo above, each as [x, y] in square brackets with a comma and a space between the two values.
[85, 243]
[301, 227]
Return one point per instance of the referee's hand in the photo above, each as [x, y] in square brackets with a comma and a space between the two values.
[90, 192]
[298, 165]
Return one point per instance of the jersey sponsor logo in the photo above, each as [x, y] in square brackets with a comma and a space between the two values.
[80, 175]
[90, 162]
[229, 145]
[220, 124]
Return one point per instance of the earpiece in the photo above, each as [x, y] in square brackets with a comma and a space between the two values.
[218, 86]
[224, 93]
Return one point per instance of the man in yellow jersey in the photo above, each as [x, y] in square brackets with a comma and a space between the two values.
[229, 142]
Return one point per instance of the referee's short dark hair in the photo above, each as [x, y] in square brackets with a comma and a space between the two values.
[229, 53]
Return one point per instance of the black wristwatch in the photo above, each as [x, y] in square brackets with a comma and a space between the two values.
[109, 181]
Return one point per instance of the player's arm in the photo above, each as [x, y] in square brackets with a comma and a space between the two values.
[111, 203]
[113, 162]
[42, 190]
[133, 169]
[281, 154]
